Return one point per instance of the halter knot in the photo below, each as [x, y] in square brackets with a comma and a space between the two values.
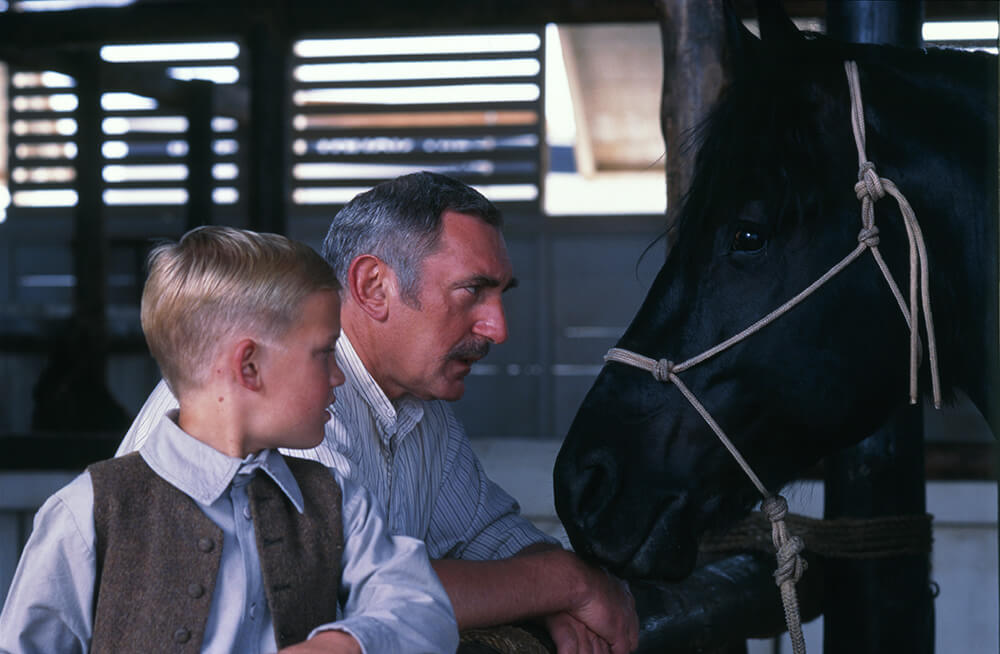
[869, 183]
[774, 507]
[662, 370]
[790, 564]
[869, 236]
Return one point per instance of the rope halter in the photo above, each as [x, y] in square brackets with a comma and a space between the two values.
[869, 189]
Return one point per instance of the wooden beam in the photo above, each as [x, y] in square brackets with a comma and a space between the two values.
[190, 19]
[694, 48]
[228, 19]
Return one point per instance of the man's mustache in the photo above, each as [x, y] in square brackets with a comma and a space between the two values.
[471, 349]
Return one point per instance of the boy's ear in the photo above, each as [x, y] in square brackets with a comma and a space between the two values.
[246, 363]
[371, 283]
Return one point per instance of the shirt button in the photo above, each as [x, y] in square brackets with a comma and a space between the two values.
[246, 512]
[182, 635]
[206, 544]
[196, 590]
[253, 611]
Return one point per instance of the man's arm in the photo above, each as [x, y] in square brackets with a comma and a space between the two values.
[541, 581]
[498, 568]
[392, 601]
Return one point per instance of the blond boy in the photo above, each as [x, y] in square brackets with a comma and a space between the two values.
[207, 539]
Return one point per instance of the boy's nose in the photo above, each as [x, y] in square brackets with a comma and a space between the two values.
[336, 376]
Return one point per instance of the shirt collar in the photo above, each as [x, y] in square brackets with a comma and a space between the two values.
[203, 473]
[393, 418]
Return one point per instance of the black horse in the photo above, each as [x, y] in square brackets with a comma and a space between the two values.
[771, 208]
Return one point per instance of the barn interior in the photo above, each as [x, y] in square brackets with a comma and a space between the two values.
[125, 121]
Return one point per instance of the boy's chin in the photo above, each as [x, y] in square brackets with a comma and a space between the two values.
[305, 441]
[313, 442]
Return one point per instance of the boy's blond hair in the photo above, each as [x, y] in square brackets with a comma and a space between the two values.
[217, 281]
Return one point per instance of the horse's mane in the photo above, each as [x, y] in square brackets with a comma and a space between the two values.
[761, 139]
[780, 137]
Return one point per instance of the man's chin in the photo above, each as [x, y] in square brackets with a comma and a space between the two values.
[452, 390]
[452, 381]
[453, 393]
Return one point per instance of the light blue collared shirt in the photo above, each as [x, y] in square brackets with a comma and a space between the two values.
[390, 598]
[414, 457]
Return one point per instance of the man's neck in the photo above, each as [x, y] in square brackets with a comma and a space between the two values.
[360, 331]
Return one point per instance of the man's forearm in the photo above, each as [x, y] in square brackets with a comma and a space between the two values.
[539, 581]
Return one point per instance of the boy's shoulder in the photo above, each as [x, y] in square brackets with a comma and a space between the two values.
[126, 461]
[120, 475]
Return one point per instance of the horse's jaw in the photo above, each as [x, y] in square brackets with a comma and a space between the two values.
[645, 526]
[631, 546]
[650, 536]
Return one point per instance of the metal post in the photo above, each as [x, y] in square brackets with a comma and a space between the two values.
[267, 181]
[884, 605]
[200, 181]
[90, 244]
[72, 393]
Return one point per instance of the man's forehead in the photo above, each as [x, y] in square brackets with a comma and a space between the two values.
[474, 243]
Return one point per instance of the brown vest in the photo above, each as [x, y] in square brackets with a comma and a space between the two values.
[158, 557]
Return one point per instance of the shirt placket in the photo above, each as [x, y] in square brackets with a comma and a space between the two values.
[387, 445]
[253, 612]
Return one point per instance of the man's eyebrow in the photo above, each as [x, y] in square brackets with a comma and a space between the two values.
[488, 282]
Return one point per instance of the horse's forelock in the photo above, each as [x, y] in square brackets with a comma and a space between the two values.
[763, 139]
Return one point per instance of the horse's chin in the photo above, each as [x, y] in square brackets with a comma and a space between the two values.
[668, 549]
[664, 554]
[660, 562]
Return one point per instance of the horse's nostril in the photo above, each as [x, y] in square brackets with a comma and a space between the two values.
[598, 487]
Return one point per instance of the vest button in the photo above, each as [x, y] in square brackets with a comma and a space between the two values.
[206, 544]
[182, 635]
[196, 590]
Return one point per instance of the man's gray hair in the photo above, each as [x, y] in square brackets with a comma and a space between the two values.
[399, 221]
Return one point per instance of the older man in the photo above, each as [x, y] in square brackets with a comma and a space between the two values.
[424, 266]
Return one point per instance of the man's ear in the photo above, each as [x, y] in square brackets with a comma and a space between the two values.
[371, 283]
[246, 364]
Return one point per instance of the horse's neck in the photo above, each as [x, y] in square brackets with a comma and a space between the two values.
[964, 270]
[956, 207]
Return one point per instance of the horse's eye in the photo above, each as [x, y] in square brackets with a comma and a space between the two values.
[747, 240]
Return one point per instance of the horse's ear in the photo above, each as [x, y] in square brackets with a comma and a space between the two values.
[742, 47]
[776, 28]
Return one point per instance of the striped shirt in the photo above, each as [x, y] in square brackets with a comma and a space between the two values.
[414, 457]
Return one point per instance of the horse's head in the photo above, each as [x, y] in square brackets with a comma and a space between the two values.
[771, 209]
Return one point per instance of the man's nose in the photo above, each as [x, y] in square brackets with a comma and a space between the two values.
[492, 323]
